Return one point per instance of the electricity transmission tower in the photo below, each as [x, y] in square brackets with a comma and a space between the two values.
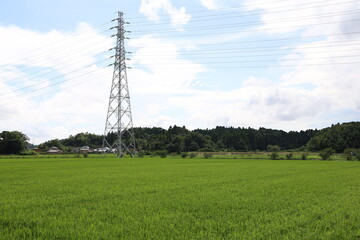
[119, 120]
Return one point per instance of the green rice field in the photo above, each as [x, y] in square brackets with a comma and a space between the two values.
[174, 198]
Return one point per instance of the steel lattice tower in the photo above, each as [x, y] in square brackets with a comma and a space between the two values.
[119, 119]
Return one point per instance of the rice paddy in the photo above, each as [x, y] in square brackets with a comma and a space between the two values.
[174, 198]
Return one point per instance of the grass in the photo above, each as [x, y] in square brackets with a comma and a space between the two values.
[173, 198]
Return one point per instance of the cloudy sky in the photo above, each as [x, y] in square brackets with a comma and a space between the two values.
[290, 65]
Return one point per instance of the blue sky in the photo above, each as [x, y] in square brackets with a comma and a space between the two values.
[288, 65]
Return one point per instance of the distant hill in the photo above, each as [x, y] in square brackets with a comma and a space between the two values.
[337, 137]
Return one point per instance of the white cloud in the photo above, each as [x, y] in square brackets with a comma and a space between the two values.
[29, 100]
[162, 61]
[210, 4]
[258, 102]
[166, 89]
[151, 9]
[299, 15]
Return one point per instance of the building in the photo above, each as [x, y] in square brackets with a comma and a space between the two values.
[54, 150]
[85, 149]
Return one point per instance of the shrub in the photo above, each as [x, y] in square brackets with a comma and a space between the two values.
[161, 153]
[207, 155]
[86, 155]
[352, 153]
[357, 154]
[184, 155]
[272, 148]
[349, 153]
[274, 156]
[289, 156]
[326, 153]
[304, 156]
[192, 155]
[141, 154]
[29, 152]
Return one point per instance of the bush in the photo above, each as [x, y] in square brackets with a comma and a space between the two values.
[207, 155]
[192, 155]
[352, 153]
[303, 156]
[29, 152]
[289, 156]
[184, 155]
[349, 153]
[161, 153]
[141, 154]
[326, 153]
[274, 156]
[357, 154]
[86, 155]
[272, 148]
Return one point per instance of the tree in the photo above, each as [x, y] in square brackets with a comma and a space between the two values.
[352, 153]
[338, 137]
[52, 143]
[272, 148]
[326, 153]
[289, 156]
[274, 155]
[12, 142]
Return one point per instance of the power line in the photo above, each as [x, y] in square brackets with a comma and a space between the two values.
[257, 61]
[53, 84]
[236, 7]
[204, 28]
[55, 50]
[265, 40]
[228, 15]
[62, 40]
[234, 50]
[54, 90]
[257, 66]
[253, 30]
[18, 81]
[244, 56]
[326, 45]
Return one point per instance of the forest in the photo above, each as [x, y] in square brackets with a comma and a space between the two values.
[177, 139]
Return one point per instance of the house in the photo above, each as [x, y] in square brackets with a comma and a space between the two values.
[102, 150]
[54, 150]
[85, 149]
[35, 149]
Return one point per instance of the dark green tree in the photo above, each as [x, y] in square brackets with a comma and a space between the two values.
[13, 142]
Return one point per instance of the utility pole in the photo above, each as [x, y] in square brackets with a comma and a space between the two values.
[119, 119]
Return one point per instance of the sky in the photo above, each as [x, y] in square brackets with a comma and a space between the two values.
[289, 65]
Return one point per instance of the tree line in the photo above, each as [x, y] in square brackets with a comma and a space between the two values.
[177, 139]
